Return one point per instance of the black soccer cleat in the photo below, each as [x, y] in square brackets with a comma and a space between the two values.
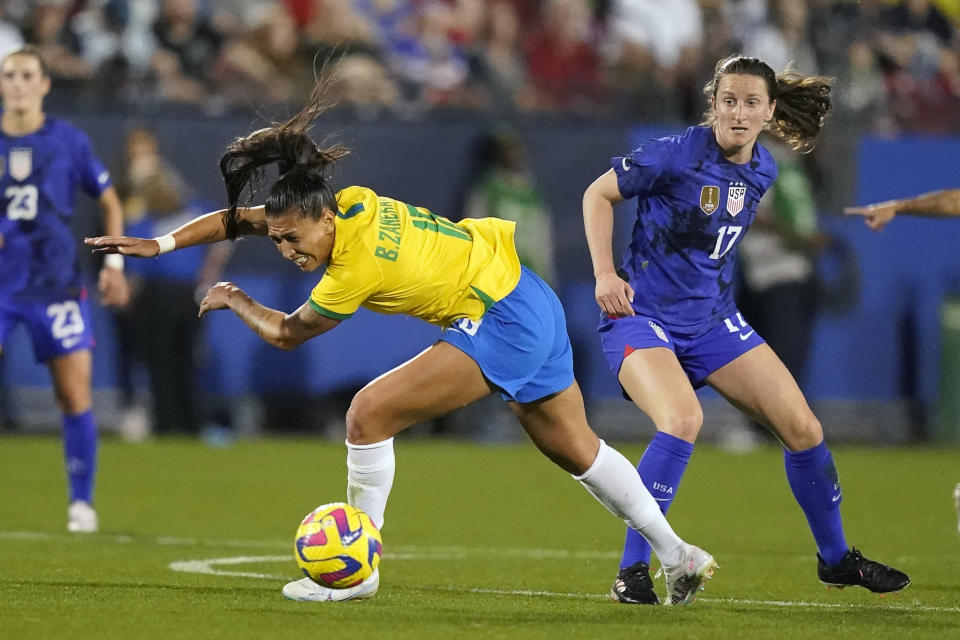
[856, 571]
[634, 586]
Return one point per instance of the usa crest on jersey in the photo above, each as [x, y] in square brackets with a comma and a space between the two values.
[21, 163]
[735, 195]
[709, 199]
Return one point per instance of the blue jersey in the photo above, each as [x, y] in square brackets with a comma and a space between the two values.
[693, 207]
[39, 176]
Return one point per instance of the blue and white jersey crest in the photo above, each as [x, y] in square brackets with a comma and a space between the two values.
[735, 195]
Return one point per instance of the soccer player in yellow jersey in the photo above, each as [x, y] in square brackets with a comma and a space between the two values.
[504, 328]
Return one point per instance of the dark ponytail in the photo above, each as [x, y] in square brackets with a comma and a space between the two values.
[301, 163]
[803, 102]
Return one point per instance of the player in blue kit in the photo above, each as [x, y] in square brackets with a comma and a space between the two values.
[43, 161]
[669, 322]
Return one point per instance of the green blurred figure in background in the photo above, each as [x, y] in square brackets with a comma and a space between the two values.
[506, 189]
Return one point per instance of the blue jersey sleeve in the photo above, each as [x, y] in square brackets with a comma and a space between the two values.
[94, 177]
[640, 171]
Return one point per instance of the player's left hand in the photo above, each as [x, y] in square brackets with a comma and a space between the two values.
[113, 287]
[218, 297]
[876, 215]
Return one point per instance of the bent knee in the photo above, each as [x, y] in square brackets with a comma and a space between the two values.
[805, 432]
[367, 420]
[683, 424]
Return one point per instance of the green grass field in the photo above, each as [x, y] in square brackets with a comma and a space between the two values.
[480, 542]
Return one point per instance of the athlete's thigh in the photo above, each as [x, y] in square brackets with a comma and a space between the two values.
[437, 381]
[760, 385]
[558, 426]
[655, 381]
[71, 374]
[59, 328]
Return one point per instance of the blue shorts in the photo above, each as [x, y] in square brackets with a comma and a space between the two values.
[55, 329]
[520, 343]
[699, 354]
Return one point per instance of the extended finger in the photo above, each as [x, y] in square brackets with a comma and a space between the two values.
[108, 240]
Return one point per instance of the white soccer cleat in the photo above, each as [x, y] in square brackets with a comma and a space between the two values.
[306, 590]
[81, 518]
[683, 581]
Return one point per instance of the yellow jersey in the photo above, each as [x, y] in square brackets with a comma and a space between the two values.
[392, 257]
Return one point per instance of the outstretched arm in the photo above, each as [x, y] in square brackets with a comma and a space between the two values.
[935, 204]
[612, 293]
[205, 229]
[282, 330]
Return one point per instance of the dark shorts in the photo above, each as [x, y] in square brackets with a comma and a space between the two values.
[55, 329]
[520, 343]
[699, 354]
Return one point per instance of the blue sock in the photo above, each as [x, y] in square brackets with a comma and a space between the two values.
[813, 479]
[660, 468]
[80, 453]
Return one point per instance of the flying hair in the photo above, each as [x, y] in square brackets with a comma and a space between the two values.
[302, 185]
[803, 102]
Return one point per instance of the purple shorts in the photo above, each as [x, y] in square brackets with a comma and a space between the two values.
[699, 354]
[55, 329]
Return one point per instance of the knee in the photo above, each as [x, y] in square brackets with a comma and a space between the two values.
[684, 424]
[366, 423]
[73, 402]
[805, 432]
[574, 456]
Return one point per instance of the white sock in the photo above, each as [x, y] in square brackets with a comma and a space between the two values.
[370, 469]
[613, 481]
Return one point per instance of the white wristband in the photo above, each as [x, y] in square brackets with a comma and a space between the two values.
[167, 243]
[114, 261]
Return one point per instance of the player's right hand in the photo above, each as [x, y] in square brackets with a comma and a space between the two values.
[124, 245]
[875, 215]
[614, 295]
[218, 297]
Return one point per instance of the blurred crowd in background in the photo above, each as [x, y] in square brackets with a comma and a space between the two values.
[897, 60]
[492, 66]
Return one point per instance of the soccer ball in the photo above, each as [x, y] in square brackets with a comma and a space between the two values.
[338, 546]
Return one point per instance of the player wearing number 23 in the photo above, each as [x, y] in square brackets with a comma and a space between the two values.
[43, 162]
[669, 323]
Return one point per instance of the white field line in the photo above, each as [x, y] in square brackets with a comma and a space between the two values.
[212, 566]
[394, 552]
[207, 567]
[407, 552]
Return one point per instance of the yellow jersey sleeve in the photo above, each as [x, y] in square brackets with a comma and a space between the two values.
[346, 285]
